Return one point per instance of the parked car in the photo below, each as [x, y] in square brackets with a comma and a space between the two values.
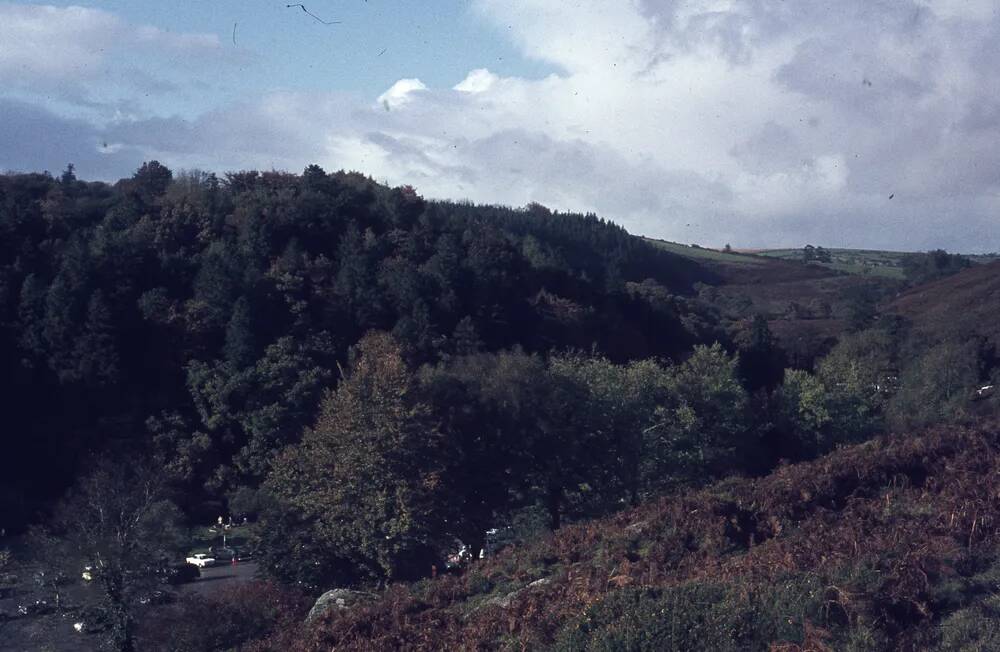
[201, 560]
[223, 553]
[228, 553]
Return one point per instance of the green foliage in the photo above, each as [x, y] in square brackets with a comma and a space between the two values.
[616, 406]
[938, 386]
[973, 629]
[579, 435]
[930, 266]
[815, 254]
[698, 616]
[862, 306]
[240, 350]
[845, 401]
[761, 360]
[970, 608]
[160, 300]
[152, 179]
[245, 415]
[805, 411]
[489, 407]
[702, 428]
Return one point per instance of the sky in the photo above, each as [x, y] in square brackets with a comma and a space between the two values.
[759, 123]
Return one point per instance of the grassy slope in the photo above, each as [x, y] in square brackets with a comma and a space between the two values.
[884, 545]
[966, 304]
[702, 254]
[762, 284]
[888, 264]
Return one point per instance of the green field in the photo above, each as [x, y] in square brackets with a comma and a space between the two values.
[864, 262]
[888, 264]
[700, 253]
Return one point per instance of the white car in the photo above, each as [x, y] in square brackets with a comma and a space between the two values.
[201, 560]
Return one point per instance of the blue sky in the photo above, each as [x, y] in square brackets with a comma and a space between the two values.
[438, 41]
[376, 43]
[862, 123]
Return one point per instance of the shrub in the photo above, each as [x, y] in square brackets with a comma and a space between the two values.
[698, 616]
[973, 628]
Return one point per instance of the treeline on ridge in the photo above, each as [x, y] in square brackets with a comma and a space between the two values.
[200, 319]
[375, 378]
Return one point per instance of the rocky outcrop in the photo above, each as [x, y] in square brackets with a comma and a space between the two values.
[338, 599]
[503, 601]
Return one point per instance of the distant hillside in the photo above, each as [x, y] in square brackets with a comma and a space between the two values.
[808, 306]
[966, 304]
[704, 254]
[889, 264]
[888, 545]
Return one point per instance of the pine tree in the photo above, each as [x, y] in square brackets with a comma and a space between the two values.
[239, 349]
[97, 358]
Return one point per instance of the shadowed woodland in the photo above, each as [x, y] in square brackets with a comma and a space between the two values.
[726, 452]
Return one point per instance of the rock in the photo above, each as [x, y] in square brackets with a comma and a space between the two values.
[338, 599]
[503, 601]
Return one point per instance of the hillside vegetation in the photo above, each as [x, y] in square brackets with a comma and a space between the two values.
[200, 319]
[890, 264]
[961, 306]
[887, 545]
[493, 428]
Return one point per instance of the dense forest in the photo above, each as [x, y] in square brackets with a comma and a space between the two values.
[201, 320]
[373, 379]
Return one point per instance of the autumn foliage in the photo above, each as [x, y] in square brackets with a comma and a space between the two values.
[883, 545]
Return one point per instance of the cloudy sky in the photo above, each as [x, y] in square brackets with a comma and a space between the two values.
[864, 123]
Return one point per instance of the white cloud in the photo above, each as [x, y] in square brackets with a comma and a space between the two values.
[712, 121]
[92, 63]
[401, 93]
[61, 42]
[45, 41]
[479, 80]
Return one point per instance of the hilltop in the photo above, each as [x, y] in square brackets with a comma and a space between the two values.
[890, 264]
